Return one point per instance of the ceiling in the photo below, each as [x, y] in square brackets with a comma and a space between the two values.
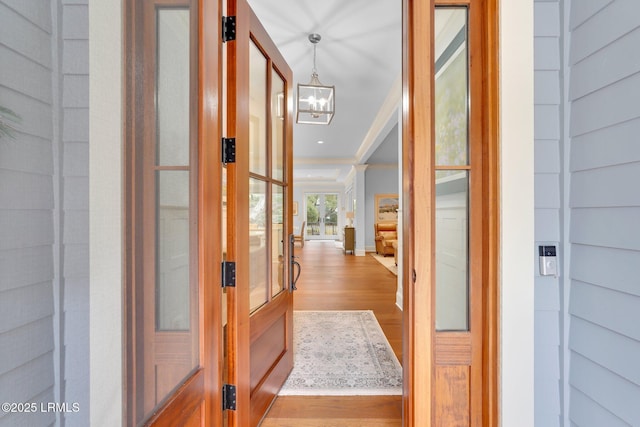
[360, 53]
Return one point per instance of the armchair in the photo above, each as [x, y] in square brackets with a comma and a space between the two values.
[300, 237]
[386, 235]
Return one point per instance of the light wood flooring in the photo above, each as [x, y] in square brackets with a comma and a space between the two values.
[331, 280]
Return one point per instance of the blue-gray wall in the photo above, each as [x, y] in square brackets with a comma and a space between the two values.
[548, 209]
[74, 198]
[381, 177]
[587, 165]
[27, 233]
[44, 305]
[378, 180]
[604, 95]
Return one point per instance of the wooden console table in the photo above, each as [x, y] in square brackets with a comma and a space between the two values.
[349, 239]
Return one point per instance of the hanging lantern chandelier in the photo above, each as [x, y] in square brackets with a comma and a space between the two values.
[316, 102]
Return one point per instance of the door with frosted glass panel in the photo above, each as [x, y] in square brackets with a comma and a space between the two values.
[170, 203]
[259, 208]
[171, 324]
[449, 217]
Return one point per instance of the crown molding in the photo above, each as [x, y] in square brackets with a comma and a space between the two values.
[383, 121]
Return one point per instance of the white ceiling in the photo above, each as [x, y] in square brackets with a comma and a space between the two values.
[360, 53]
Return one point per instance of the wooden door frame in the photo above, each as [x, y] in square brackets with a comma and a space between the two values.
[205, 382]
[418, 212]
[210, 202]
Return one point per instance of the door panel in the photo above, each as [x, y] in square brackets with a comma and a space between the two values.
[259, 209]
[173, 312]
[452, 409]
[449, 214]
[170, 290]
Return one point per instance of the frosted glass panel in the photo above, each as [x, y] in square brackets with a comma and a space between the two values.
[258, 255]
[277, 240]
[172, 251]
[452, 87]
[172, 91]
[278, 106]
[452, 259]
[257, 111]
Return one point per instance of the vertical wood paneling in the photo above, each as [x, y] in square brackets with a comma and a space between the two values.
[604, 342]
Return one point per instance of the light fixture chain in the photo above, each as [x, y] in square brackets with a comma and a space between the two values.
[315, 71]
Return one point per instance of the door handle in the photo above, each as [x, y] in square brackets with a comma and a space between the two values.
[297, 276]
[293, 278]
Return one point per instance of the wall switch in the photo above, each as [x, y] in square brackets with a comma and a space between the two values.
[548, 261]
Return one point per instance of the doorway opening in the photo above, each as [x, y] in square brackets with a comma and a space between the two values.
[321, 216]
[333, 281]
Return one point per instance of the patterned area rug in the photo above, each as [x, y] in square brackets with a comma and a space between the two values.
[341, 353]
[388, 261]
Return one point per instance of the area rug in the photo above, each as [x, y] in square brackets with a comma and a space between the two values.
[388, 261]
[341, 353]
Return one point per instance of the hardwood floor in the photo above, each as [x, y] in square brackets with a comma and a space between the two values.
[331, 280]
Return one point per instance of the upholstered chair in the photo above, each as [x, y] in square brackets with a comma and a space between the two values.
[386, 235]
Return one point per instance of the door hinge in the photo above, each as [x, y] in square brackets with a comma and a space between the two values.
[228, 274]
[229, 397]
[228, 150]
[228, 28]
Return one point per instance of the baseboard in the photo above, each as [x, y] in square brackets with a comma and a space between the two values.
[399, 302]
[360, 252]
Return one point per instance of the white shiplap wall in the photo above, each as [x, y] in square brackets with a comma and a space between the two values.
[604, 93]
[548, 131]
[26, 212]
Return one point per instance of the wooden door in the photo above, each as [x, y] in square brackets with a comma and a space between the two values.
[450, 336]
[259, 207]
[173, 310]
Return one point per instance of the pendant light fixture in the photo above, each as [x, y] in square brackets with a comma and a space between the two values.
[316, 102]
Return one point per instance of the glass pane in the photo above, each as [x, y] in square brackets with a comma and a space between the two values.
[257, 243]
[451, 86]
[278, 240]
[313, 214]
[172, 251]
[172, 96]
[452, 253]
[257, 111]
[331, 214]
[278, 106]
